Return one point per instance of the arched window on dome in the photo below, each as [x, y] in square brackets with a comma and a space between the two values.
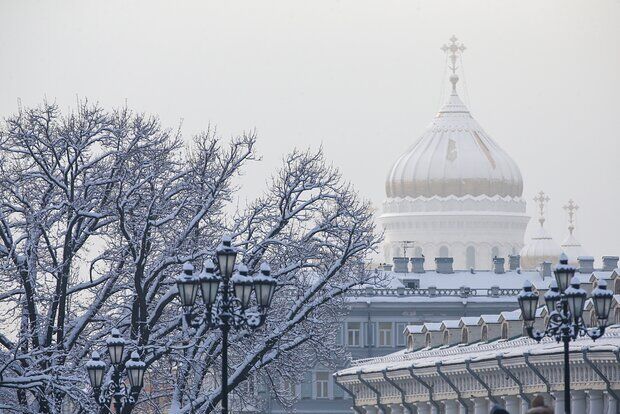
[428, 339]
[485, 333]
[410, 343]
[444, 251]
[446, 337]
[465, 335]
[494, 252]
[504, 331]
[418, 252]
[470, 257]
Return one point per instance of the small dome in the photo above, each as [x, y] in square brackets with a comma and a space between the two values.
[541, 248]
[454, 157]
[573, 249]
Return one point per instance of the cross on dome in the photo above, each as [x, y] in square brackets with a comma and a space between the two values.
[453, 50]
[542, 199]
[571, 208]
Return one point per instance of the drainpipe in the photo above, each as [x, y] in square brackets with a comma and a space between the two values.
[611, 392]
[526, 358]
[350, 394]
[512, 376]
[403, 401]
[427, 386]
[382, 407]
[454, 387]
[481, 381]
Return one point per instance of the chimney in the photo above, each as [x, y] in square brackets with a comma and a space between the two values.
[400, 265]
[498, 265]
[586, 264]
[514, 261]
[417, 264]
[444, 265]
[545, 269]
[610, 263]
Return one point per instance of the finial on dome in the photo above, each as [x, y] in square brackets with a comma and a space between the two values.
[542, 199]
[571, 208]
[453, 51]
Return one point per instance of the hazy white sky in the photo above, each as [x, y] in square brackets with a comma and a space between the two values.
[361, 78]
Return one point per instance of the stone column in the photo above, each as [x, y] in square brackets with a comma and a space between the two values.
[595, 398]
[559, 402]
[451, 407]
[524, 406]
[371, 409]
[481, 406]
[578, 401]
[612, 405]
[396, 409]
[512, 404]
[424, 408]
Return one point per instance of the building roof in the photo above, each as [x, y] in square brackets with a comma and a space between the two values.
[479, 351]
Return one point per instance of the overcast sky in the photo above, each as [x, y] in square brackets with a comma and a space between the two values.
[362, 79]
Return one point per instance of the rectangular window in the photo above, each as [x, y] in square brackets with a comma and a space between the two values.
[354, 333]
[321, 384]
[385, 334]
[400, 334]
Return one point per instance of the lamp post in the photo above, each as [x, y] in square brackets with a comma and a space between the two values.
[115, 391]
[227, 299]
[565, 302]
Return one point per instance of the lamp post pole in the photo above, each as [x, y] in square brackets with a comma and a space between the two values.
[565, 302]
[227, 298]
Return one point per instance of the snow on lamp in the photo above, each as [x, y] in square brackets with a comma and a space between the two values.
[552, 296]
[602, 298]
[209, 283]
[95, 368]
[528, 302]
[576, 298]
[264, 286]
[116, 346]
[187, 285]
[226, 256]
[564, 273]
[243, 285]
[135, 370]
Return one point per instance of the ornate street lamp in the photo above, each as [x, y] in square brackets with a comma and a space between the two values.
[565, 301]
[115, 391]
[227, 297]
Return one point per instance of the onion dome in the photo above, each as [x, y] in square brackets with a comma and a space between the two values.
[542, 247]
[454, 156]
[571, 246]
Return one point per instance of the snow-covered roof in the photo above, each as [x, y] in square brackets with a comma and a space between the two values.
[470, 320]
[511, 279]
[490, 318]
[432, 326]
[479, 351]
[514, 315]
[414, 329]
[451, 323]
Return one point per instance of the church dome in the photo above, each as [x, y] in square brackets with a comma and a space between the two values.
[454, 157]
[542, 247]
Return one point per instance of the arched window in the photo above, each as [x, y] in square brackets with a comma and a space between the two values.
[617, 315]
[444, 251]
[494, 252]
[418, 252]
[485, 333]
[446, 337]
[428, 339]
[465, 335]
[617, 286]
[504, 331]
[470, 256]
[410, 343]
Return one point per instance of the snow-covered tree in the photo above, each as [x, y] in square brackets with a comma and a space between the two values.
[98, 212]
